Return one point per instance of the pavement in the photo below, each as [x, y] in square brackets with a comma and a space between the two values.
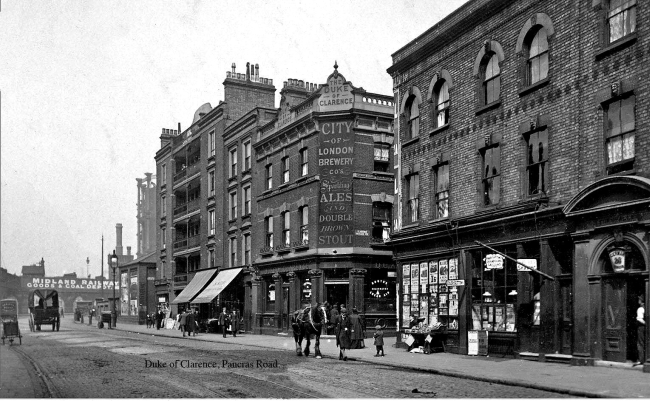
[614, 380]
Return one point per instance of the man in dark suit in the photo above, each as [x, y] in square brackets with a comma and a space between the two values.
[234, 321]
[224, 321]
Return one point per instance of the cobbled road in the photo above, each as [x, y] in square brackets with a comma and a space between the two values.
[80, 361]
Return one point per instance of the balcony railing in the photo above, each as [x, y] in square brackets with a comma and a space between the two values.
[161, 281]
[180, 175]
[180, 244]
[186, 243]
[186, 208]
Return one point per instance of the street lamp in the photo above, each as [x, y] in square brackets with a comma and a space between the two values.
[114, 311]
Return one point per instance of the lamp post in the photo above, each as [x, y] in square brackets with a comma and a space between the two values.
[114, 311]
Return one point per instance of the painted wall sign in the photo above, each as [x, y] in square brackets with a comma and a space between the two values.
[65, 283]
[335, 161]
[336, 95]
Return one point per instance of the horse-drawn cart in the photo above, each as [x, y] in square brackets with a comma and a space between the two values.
[9, 318]
[44, 309]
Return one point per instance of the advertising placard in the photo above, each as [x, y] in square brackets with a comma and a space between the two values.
[443, 271]
[493, 261]
[336, 95]
[453, 269]
[433, 272]
[335, 165]
[531, 263]
[483, 342]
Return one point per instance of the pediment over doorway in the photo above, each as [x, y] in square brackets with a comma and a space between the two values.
[608, 193]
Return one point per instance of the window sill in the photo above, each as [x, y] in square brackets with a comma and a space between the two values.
[283, 249]
[231, 221]
[487, 107]
[534, 87]
[283, 185]
[304, 177]
[439, 129]
[616, 46]
[247, 171]
[410, 141]
[410, 225]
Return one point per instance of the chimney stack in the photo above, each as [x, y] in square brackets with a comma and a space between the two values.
[128, 251]
[248, 72]
[257, 72]
[118, 239]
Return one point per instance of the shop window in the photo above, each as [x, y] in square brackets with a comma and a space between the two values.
[427, 295]
[491, 175]
[620, 133]
[494, 293]
[537, 60]
[381, 221]
[270, 296]
[491, 77]
[441, 93]
[412, 196]
[304, 162]
[379, 291]
[536, 162]
[285, 169]
[381, 157]
[440, 191]
[412, 117]
[621, 19]
[268, 225]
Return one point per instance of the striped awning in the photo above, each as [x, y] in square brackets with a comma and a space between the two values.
[216, 286]
[198, 283]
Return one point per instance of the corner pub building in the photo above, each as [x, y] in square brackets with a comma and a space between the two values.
[522, 135]
[323, 188]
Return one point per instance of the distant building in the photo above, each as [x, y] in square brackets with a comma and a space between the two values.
[146, 215]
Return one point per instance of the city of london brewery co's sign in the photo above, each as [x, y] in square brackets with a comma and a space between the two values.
[335, 162]
[65, 283]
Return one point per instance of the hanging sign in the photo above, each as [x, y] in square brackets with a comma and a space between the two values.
[617, 257]
[493, 261]
[531, 263]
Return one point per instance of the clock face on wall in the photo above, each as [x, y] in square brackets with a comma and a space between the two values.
[379, 289]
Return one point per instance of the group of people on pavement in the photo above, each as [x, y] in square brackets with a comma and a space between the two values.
[350, 330]
[229, 322]
[156, 318]
[188, 322]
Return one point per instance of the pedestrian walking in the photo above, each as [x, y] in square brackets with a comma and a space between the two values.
[183, 322]
[197, 326]
[159, 318]
[379, 340]
[334, 317]
[234, 322]
[189, 325]
[640, 332]
[357, 334]
[224, 321]
[343, 334]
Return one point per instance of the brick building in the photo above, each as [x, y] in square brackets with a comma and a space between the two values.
[192, 193]
[523, 131]
[322, 191]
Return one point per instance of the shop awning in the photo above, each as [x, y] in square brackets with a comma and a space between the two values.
[216, 286]
[195, 286]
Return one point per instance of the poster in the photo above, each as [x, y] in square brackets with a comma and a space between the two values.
[453, 307]
[406, 270]
[472, 342]
[476, 316]
[443, 271]
[407, 285]
[424, 273]
[453, 269]
[433, 272]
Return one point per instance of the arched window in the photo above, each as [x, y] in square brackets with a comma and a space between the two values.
[537, 64]
[491, 79]
[442, 103]
[413, 117]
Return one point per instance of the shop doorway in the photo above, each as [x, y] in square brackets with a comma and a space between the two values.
[337, 293]
[620, 305]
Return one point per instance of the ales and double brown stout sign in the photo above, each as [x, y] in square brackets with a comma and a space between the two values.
[335, 165]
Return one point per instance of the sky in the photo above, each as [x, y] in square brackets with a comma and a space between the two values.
[86, 86]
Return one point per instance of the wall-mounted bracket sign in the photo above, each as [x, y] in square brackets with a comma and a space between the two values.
[530, 263]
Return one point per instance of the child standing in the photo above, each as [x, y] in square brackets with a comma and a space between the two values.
[379, 340]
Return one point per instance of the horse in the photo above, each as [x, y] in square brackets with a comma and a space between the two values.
[305, 323]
